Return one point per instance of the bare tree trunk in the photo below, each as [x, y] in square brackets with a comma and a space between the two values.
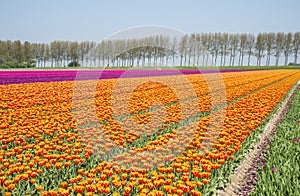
[240, 56]
[181, 58]
[185, 58]
[249, 57]
[267, 61]
[203, 59]
[206, 63]
[286, 59]
[198, 59]
[216, 58]
[230, 59]
[224, 59]
[194, 58]
[221, 61]
[295, 56]
[242, 61]
[167, 60]
[173, 63]
[277, 59]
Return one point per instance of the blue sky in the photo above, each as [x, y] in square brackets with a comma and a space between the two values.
[48, 20]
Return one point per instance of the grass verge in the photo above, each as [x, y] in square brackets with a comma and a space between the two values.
[279, 173]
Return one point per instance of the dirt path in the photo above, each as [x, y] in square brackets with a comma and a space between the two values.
[244, 178]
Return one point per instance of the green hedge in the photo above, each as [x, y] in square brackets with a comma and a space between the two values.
[74, 64]
[9, 65]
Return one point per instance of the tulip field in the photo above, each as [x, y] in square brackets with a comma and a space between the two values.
[135, 133]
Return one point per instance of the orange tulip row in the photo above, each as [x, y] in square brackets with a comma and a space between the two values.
[39, 135]
[141, 94]
[241, 119]
[254, 108]
[129, 129]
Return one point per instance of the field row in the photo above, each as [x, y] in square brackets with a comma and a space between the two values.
[278, 169]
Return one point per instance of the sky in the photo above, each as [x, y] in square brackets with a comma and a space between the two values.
[95, 20]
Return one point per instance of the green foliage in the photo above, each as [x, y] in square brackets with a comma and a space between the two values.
[74, 64]
[294, 64]
[9, 65]
[280, 173]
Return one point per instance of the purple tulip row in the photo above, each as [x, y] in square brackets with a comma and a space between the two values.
[18, 77]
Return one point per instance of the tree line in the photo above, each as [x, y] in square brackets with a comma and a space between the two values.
[197, 49]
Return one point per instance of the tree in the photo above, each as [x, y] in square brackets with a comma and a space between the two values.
[174, 50]
[182, 48]
[199, 48]
[234, 43]
[17, 51]
[54, 53]
[47, 54]
[249, 46]
[39, 53]
[288, 39]
[8, 51]
[64, 52]
[242, 46]
[279, 46]
[259, 47]
[270, 44]
[225, 45]
[192, 49]
[164, 49]
[74, 51]
[28, 52]
[2, 52]
[216, 46]
[296, 45]
[205, 44]
[84, 48]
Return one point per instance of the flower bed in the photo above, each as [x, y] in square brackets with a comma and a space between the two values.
[18, 77]
[133, 136]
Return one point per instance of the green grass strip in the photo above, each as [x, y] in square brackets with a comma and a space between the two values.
[280, 174]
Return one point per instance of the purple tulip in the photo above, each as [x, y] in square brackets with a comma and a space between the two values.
[263, 164]
[295, 140]
[274, 169]
[29, 76]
